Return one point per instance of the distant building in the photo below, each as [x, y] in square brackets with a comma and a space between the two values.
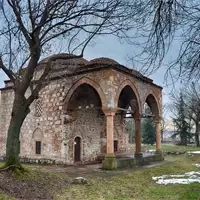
[169, 137]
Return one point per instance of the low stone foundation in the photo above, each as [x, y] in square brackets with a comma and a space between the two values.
[42, 161]
[33, 160]
[110, 162]
[127, 162]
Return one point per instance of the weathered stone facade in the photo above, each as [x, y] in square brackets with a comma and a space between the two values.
[72, 105]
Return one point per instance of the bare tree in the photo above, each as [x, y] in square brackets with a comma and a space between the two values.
[163, 121]
[28, 30]
[163, 22]
[192, 103]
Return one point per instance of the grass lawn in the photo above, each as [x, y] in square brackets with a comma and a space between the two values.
[139, 185]
[136, 185]
[166, 147]
[5, 197]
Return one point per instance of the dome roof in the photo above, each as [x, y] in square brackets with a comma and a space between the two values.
[103, 61]
[64, 56]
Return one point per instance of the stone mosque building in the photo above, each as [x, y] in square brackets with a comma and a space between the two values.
[80, 115]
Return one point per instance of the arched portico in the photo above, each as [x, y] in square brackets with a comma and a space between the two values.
[83, 110]
[128, 99]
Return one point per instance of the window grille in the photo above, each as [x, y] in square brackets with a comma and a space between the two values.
[38, 108]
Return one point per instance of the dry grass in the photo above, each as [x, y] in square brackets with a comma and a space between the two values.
[169, 147]
[138, 185]
[165, 147]
[131, 186]
[6, 197]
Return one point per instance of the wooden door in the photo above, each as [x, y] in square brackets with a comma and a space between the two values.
[77, 149]
[115, 146]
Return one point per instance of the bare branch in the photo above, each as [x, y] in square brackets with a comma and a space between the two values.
[8, 72]
[17, 11]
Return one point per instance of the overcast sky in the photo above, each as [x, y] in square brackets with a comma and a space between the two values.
[110, 47]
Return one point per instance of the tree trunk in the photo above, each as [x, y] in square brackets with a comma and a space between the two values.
[19, 113]
[182, 140]
[197, 134]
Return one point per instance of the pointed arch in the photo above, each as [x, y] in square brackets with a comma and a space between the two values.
[129, 83]
[37, 134]
[154, 104]
[89, 82]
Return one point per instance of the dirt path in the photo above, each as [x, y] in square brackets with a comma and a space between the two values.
[95, 170]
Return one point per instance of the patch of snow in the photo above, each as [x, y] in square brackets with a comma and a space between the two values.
[192, 173]
[167, 176]
[177, 176]
[79, 178]
[151, 151]
[193, 152]
[187, 178]
[197, 165]
[178, 181]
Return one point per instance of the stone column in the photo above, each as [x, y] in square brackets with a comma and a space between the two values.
[110, 132]
[138, 153]
[110, 160]
[158, 154]
[158, 135]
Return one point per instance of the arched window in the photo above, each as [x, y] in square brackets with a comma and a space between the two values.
[38, 108]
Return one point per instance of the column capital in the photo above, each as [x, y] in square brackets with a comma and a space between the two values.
[137, 117]
[158, 119]
[109, 111]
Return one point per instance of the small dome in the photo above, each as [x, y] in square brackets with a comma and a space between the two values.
[64, 56]
[103, 61]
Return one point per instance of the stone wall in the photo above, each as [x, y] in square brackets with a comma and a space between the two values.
[49, 123]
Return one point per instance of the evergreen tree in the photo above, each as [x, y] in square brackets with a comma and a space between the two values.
[180, 121]
[149, 133]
